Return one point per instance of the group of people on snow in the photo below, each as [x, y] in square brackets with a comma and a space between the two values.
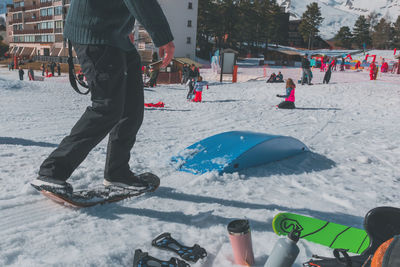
[50, 67]
[276, 78]
[45, 70]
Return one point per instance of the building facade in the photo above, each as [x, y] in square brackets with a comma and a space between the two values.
[35, 28]
[182, 18]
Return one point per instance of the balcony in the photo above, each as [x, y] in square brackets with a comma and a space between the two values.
[30, 19]
[17, 9]
[31, 7]
[15, 21]
[45, 17]
[33, 31]
[45, 4]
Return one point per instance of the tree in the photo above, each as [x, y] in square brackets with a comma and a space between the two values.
[240, 24]
[396, 33]
[207, 26]
[311, 20]
[361, 32]
[373, 19]
[381, 36]
[344, 38]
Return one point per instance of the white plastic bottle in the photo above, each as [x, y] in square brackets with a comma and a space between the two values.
[285, 251]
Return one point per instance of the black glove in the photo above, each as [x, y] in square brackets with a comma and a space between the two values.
[278, 95]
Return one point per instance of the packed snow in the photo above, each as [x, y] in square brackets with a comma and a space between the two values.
[351, 127]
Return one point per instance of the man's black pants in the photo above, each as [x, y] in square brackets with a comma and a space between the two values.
[116, 85]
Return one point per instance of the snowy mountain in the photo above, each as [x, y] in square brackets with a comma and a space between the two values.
[338, 13]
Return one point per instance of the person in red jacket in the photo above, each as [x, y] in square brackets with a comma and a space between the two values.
[384, 67]
[372, 71]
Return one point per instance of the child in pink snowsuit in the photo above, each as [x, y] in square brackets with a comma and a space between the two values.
[289, 97]
[198, 89]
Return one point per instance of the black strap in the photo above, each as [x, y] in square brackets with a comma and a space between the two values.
[165, 241]
[143, 259]
[72, 76]
[345, 260]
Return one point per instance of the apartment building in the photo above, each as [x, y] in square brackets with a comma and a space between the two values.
[35, 27]
[182, 17]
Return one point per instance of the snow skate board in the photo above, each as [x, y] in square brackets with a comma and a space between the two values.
[322, 232]
[99, 194]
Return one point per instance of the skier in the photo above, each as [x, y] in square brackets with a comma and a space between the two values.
[327, 76]
[305, 64]
[289, 97]
[272, 78]
[384, 67]
[334, 63]
[342, 64]
[59, 69]
[153, 78]
[198, 89]
[21, 73]
[358, 65]
[31, 75]
[112, 66]
[193, 75]
[52, 68]
[43, 68]
[185, 73]
[372, 71]
[279, 78]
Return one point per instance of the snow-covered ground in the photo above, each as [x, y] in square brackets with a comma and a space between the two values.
[351, 126]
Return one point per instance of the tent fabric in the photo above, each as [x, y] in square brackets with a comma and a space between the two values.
[55, 52]
[27, 51]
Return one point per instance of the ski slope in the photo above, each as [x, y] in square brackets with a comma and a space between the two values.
[351, 126]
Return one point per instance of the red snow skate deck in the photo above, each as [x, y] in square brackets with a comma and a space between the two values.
[99, 195]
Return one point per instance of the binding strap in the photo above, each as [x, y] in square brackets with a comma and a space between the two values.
[345, 260]
[72, 77]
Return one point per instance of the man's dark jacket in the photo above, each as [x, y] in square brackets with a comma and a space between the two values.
[109, 22]
[305, 63]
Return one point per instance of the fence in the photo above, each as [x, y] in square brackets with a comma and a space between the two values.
[54, 59]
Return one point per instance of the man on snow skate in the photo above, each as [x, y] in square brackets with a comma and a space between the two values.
[99, 31]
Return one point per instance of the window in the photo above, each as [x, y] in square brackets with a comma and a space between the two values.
[59, 24]
[29, 38]
[17, 16]
[17, 27]
[19, 4]
[46, 38]
[58, 10]
[46, 25]
[188, 40]
[190, 5]
[189, 24]
[46, 12]
[18, 39]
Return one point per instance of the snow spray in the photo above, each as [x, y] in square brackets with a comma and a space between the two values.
[285, 251]
[240, 237]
